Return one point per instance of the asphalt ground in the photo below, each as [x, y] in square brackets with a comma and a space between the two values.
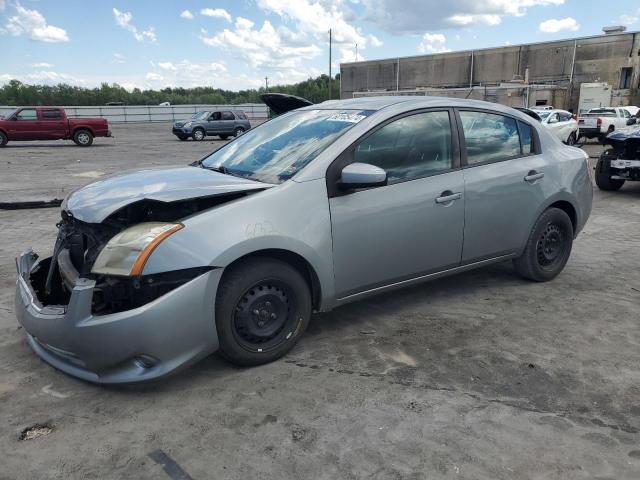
[478, 376]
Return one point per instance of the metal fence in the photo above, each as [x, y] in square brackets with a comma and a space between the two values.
[154, 113]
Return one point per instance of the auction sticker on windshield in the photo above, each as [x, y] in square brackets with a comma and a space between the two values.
[347, 117]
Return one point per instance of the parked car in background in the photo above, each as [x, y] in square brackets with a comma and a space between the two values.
[633, 110]
[599, 122]
[318, 207]
[50, 123]
[621, 163]
[224, 123]
[561, 123]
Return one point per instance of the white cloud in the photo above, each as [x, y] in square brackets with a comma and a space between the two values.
[123, 19]
[403, 16]
[216, 13]
[374, 41]
[118, 58]
[186, 73]
[433, 43]
[167, 66]
[42, 65]
[555, 25]
[33, 24]
[627, 20]
[187, 15]
[262, 48]
[467, 20]
[154, 77]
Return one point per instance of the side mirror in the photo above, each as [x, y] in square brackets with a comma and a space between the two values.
[362, 175]
[632, 121]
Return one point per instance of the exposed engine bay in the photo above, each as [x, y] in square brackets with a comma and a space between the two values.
[79, 244]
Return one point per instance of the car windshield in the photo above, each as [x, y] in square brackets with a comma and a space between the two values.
[279, 148]
[199, 115]
[10, 114]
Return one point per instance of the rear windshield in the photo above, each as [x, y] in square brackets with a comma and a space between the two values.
[279, 148]
[606, 111]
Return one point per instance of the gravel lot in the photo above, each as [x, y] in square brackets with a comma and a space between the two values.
[478, 376]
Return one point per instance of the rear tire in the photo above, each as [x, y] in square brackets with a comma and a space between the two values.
[238, 131]
[548, 247]
[83, 138]
[572, 140]
[3, 139]
[263, 307]
[198, 134]
[603, 174]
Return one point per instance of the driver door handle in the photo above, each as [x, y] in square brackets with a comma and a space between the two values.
[533, 176]
[448, 196]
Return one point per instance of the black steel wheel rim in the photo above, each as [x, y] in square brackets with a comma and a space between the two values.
[265, 316]
[551, 246]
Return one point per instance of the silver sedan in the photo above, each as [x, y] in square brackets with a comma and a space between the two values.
[154, 270]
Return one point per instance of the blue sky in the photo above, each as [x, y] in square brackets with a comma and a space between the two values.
[235, 44]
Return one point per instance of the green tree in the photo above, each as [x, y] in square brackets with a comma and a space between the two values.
[17, 93]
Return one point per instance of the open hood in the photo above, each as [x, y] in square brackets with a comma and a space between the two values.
[281, 103]
[93, 203]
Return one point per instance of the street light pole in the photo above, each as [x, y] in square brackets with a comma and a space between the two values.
[330, 79]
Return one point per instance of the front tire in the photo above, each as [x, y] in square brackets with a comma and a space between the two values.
[198, 134]
[83, 138]
[263, 307]
[603, 174]
[548, 247]
[3, 139]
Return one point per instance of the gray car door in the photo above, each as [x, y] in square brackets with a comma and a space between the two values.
[214, 123]
[504, 183]
[228, 122]
[414, 224]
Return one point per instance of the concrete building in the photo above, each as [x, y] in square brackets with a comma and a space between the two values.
[548, 73]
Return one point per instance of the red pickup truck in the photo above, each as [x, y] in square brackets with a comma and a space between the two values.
[50, 123]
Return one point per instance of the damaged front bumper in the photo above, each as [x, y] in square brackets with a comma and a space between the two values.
[144, 343]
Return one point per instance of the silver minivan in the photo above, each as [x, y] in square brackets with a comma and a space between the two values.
[153, 270]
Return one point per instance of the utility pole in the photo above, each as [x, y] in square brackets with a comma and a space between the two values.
[266, 84]
[356, 52]
[330, 79]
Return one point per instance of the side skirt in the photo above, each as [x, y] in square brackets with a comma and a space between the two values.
[422, 278]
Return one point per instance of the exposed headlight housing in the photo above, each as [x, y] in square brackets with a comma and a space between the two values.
[127, 252]
[188, 124]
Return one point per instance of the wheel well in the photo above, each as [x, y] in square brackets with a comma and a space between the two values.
[296, 261]
[75, 130]
[569, 210]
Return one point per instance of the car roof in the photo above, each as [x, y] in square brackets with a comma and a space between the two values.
[410, 102]
[553, 110]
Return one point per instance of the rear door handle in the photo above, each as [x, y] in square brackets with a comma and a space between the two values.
[448, 196]
[533, 176]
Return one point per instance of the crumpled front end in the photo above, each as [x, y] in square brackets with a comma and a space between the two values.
[67, 329]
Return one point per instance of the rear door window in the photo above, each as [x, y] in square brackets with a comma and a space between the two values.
[409, 148]
[227, 116]
[51, 115]
[490, 137]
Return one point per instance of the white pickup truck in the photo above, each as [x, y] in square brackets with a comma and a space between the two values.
[600, 122]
